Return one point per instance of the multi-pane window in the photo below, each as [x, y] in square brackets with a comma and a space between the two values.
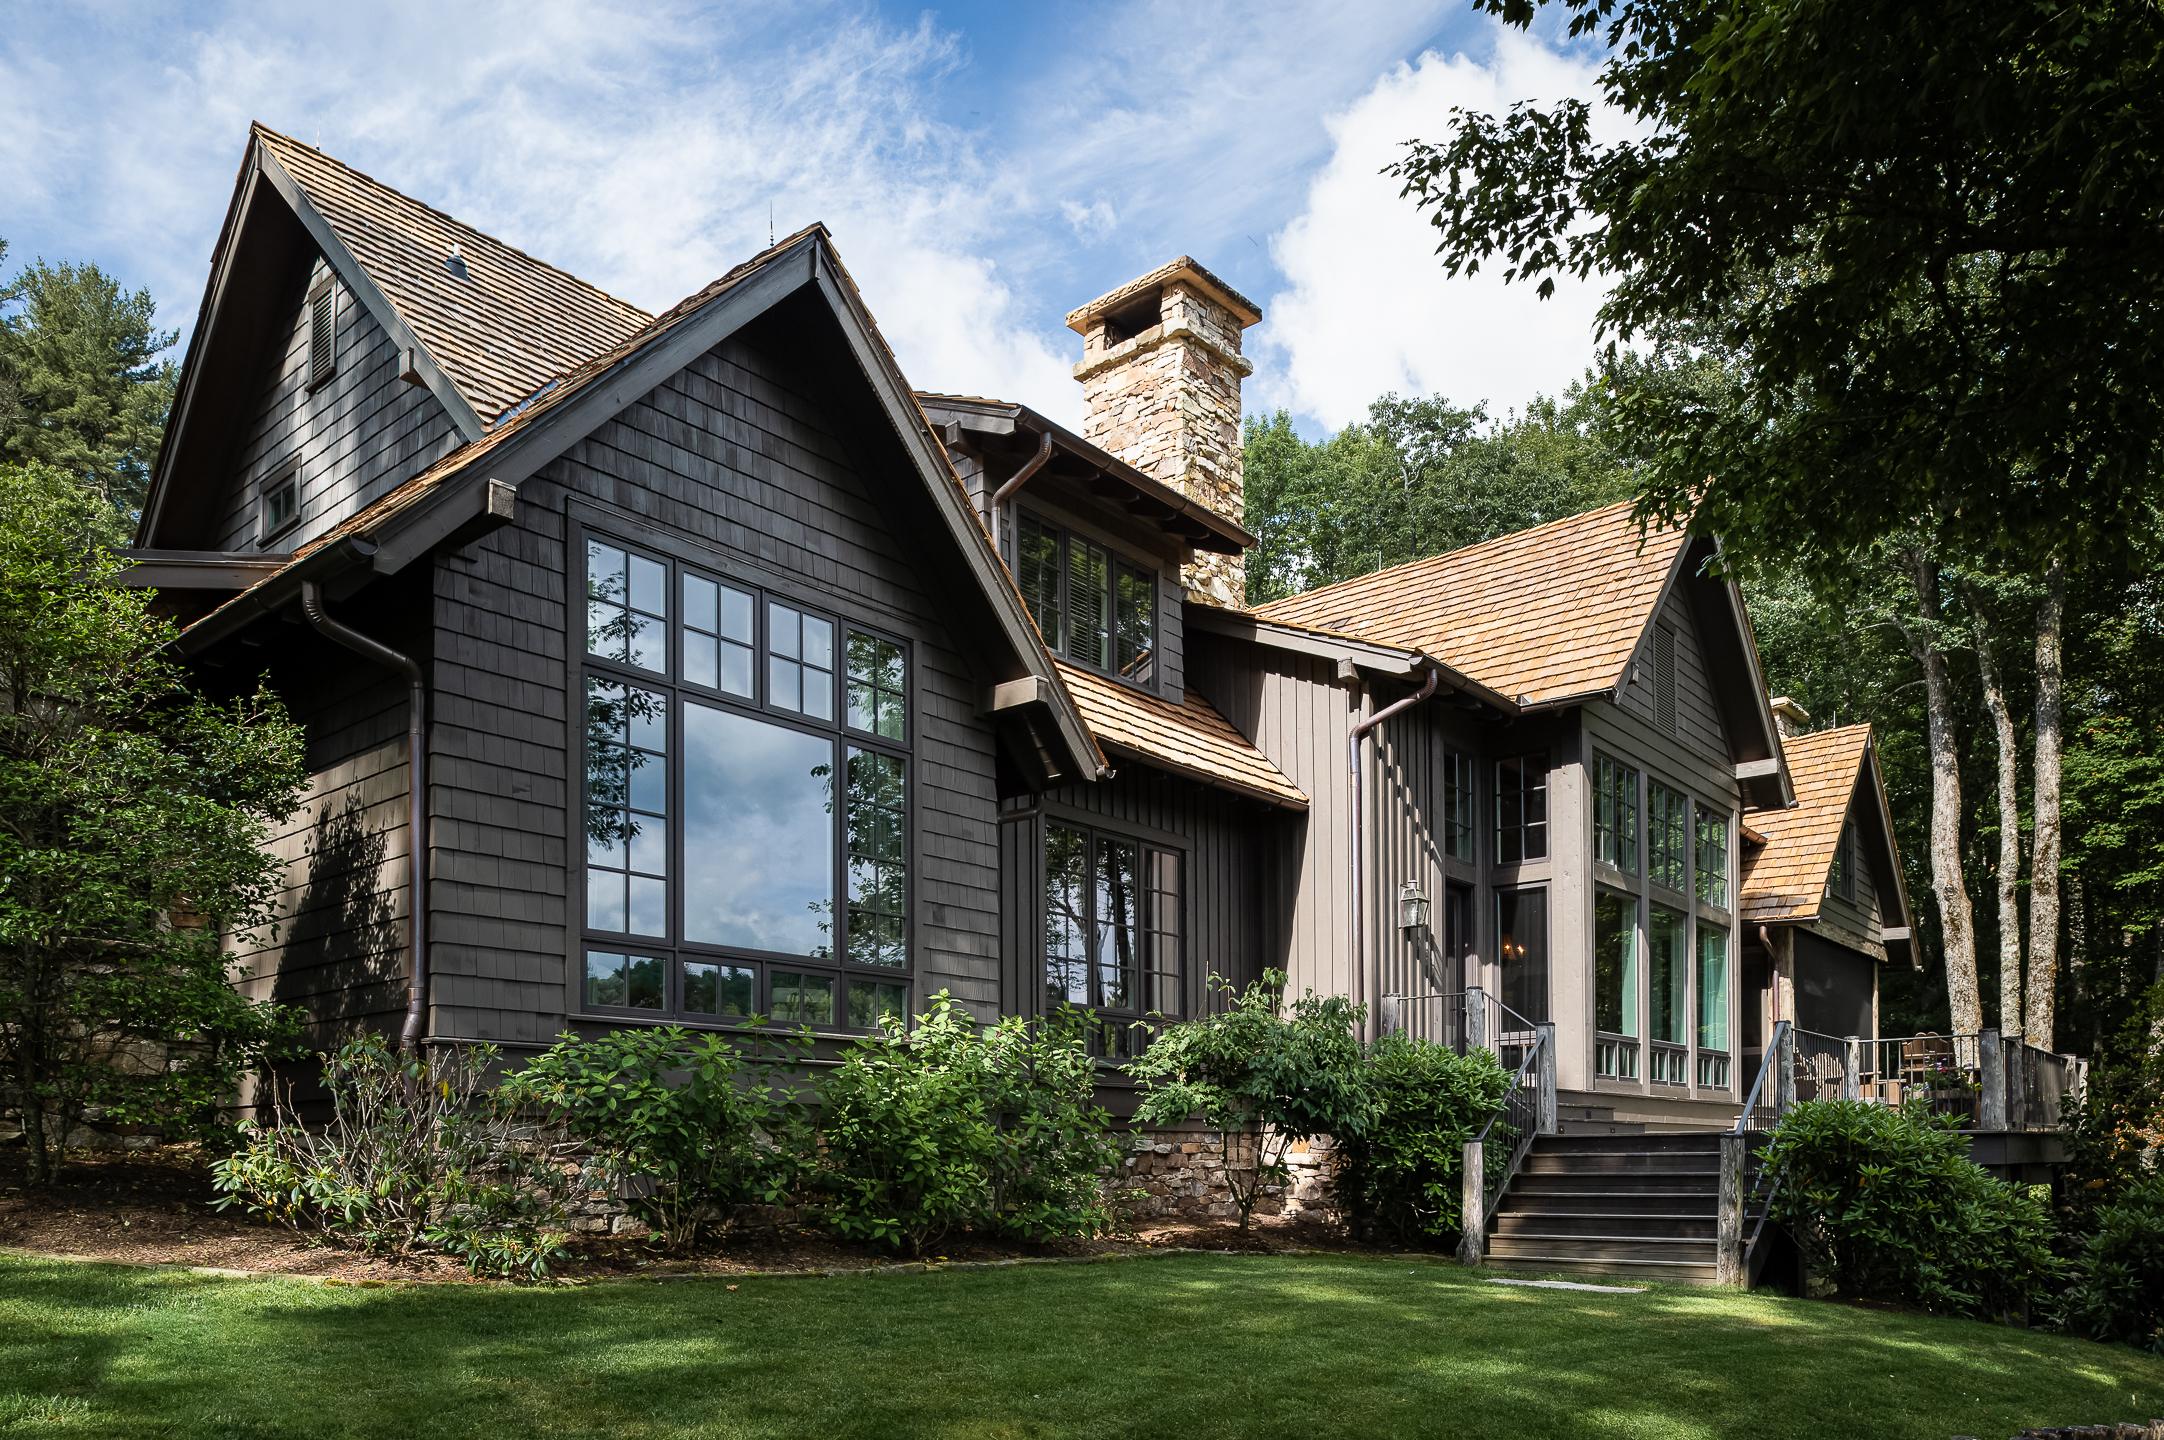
[1112, 929]
[280, 505]
[721, 637]
[1668, 857]
[1615, 813]
[747, 829]
[799, 661]
[1458, 805]
[1712, 857]
[627, 608]
[1521, 808]
[1091, 608]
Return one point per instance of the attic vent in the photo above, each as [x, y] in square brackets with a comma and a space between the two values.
[1664, 678]
[322, 333]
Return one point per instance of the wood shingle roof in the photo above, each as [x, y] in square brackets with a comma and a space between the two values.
[1543, 616]
[1785, 879]
[1190, 739]
[501, 330]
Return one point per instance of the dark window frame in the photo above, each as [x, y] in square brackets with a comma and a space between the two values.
[1536, 895]
[1617, 840]
[1461, 805]
[1841, 872]
[286, 478]
[1147, 847]
[1512, 837]
[1117, 563]
[675, 951]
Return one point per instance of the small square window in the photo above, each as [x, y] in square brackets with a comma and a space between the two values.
[623, 982]
[871, 1001]
[281, 503]
[713, 989]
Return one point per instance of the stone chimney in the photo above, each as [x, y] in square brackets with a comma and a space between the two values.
[1790, 718]
[1161, 371]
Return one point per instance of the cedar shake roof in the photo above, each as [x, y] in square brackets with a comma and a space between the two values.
[498, 334]
[1786, 878]
[553, 393]
[1544, 616]
[1190, 739]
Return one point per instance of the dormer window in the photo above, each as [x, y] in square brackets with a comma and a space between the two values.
[279, 505]
[1092, 608]
[322, 332]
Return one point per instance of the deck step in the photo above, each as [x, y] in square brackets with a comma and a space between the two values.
[1641, 1143]
[1650, 1224]
[1667, 1272]
[1543, 1161]
[1696, 1204]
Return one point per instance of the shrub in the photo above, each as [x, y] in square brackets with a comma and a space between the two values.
[1887, 1203]
[687, 1128]
[951, 1126]
[2115, 1126]
[417, 1155]
[2117, 1292]
[1258, 1071]
[1399, 1175]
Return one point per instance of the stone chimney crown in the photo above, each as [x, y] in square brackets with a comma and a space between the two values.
[1161, 371]
[1789, 717]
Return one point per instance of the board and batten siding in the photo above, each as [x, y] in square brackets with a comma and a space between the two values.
[1697, 710]
[732, 463]
[356, 437]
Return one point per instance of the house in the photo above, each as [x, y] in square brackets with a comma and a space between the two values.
[691, 666]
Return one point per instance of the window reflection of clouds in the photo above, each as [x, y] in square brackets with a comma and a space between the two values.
[758, 843]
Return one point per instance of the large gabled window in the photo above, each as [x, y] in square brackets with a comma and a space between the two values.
[746, 770]
[1092, 607]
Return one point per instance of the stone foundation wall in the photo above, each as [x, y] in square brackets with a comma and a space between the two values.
[1180, 1175]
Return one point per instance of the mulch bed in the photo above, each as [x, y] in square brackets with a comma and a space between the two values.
[153, 1207]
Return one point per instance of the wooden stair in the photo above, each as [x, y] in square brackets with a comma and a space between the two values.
[1639, 1205]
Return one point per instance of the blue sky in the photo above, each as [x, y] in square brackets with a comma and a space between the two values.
[985, 167]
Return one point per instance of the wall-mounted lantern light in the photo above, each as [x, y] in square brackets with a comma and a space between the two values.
[1412, 907]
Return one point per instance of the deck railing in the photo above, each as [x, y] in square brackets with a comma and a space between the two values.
[1982, 1081]
[1746, 1191]
[1492, 1157]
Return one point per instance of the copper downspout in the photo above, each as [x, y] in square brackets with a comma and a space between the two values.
[1016, 481]
[1360, 731]
[410, 1037]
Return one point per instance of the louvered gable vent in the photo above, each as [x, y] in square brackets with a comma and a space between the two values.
[322, 333]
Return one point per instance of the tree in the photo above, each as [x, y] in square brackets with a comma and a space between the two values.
[81, 386]
[1416, 478]
[1260, 1075]
[1935, 231]
[132, 813]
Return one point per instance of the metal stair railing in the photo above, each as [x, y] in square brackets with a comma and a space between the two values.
[1772, 1093]
[1528, 1110]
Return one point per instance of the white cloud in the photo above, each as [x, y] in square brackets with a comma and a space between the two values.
[643, 147]
[1367, 308]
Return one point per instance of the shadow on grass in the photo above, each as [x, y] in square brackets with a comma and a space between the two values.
[1248, 1346]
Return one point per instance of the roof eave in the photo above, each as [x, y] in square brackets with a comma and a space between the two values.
[1211, 781]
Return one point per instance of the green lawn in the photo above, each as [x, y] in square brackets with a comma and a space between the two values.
[1178, 1345]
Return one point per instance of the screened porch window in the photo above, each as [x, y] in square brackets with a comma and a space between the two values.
[1521, 809]
[746, 801]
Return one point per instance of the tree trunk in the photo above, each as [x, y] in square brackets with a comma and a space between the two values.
[1949, 886]
[2043, 1000]
[2009, 867]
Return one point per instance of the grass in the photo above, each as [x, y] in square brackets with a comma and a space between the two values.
[1191, 1345]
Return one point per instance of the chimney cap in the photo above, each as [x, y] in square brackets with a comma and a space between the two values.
[1788, 716]
[1186, 269]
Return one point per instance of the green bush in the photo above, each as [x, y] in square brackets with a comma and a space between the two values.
[2117, 1291]
[1399, 1176]
[1888, 1206]
[950, 1126]
[417, 1155]
[687, 1128]
[1257, 1071]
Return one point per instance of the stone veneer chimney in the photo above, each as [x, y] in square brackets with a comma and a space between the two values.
[1789, 718]
[1161, 371]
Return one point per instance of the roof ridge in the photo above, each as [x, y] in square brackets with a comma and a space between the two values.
[257, 127]
[1409, 566]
